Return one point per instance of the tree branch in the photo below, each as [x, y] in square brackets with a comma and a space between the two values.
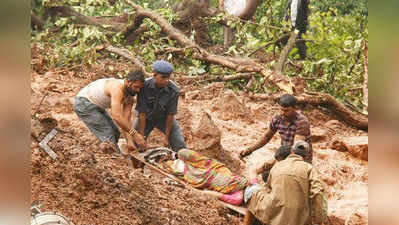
[124, 53]
[327, 101]
[217, 78]
[66, 11]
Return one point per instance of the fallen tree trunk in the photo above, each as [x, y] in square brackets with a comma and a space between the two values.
[237, 64]
[327, 101]
[217, 78]
[66, 11]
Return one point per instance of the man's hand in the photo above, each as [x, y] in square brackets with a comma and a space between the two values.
[245, 152]
[131, 146]
[167, 141]
[269, 164]
[139, 139]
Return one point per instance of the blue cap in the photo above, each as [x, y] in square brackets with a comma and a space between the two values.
[163, 67]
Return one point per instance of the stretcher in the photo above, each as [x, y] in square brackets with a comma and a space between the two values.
[139, 160]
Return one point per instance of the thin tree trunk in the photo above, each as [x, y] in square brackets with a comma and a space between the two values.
[228, 33]
[284, 54]
[36, 22]
[366, 77]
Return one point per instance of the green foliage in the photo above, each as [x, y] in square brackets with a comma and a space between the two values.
[336, 56]
[343, 7]
[336, 36]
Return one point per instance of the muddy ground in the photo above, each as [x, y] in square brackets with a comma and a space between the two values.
[92, 187]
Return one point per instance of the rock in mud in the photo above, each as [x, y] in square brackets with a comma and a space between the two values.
[319, 134]
[199, 129]
[229, 106]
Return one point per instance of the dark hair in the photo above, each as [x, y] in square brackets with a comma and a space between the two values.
[300, 150]
[135, 75]
[282, 152]
[265, 175]
[287, 100]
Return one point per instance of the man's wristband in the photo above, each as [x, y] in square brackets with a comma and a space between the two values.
[132, 132]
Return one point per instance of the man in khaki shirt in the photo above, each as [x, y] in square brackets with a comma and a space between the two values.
[293, 195]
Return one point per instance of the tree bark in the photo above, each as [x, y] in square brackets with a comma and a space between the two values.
[124, 53]
[66, 11]
[284, 54]
[327, 101]
[36, 22]
[228, 35]
[132, 36]
[366, 77]
[217, 78]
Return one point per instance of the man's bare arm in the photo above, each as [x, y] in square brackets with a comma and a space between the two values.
[117, 112]
[263, 141]
[253, 172]
[119, 117]
[168, 126]
[127, 113]
[142, 123]
[127, 109]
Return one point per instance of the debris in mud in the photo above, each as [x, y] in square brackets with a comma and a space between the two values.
[319, 134]
[357, 146]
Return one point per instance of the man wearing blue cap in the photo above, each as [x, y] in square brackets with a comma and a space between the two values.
[157, 106]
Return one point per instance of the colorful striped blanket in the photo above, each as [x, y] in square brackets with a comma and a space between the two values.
[205, 173]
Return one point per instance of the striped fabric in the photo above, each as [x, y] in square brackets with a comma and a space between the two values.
[205, 173]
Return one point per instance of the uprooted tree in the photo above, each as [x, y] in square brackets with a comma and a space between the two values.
[190, 34]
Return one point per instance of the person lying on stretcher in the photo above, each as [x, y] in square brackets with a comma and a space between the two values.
[205, 173]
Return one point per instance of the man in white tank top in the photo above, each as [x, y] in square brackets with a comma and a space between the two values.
[116, 94]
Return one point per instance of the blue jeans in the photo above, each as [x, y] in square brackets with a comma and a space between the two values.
[97, 120]
[176, 139]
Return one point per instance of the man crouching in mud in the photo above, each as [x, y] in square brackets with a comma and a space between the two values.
[116, 94]
[157, 106]
[291, 124]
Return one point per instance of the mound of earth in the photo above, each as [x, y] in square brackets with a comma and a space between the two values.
[198, 127]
